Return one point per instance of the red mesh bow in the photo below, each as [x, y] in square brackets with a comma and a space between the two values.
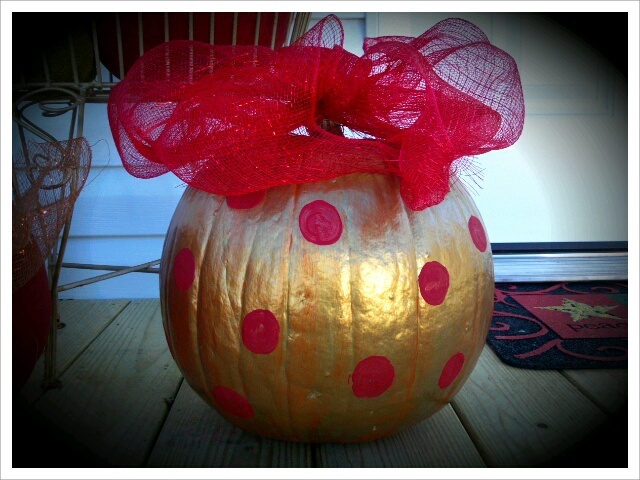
[235, 119]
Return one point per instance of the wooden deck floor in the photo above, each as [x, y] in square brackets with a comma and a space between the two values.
[123, 403]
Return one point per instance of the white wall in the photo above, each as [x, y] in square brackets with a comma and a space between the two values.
[565, 179]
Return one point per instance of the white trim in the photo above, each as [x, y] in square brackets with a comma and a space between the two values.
[371, 25]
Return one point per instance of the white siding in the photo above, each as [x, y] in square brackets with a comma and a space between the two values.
[565, 179]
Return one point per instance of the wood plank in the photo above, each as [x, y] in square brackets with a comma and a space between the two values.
[84, 320]
[195, 435]
[521, 418]
[439, 441]
[115, 395]
[607, 388]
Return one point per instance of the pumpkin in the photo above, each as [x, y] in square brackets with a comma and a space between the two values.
[329, 311]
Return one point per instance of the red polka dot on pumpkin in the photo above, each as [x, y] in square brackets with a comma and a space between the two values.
[320, 223]
[478, 235]
[245, 201]
[260, 331]
[433, 282]
[232, 402]
[184, 269]
[451, 370]
[372, 377]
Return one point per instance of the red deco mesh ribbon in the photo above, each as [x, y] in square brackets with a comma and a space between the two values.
[232, 120]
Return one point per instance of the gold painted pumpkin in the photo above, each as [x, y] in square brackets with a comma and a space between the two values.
[327, 311]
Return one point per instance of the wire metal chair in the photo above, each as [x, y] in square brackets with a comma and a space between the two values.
[69, 74]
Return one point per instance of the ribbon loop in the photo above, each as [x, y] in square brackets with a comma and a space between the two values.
[231, 120]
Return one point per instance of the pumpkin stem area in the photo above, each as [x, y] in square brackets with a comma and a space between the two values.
[332, 127]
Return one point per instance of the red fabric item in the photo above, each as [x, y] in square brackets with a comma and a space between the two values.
[153, 32]
[233, 120]
[30, 326]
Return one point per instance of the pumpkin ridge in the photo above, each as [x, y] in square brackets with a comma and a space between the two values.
[403, 207]
[205, 254]
[167, 256]
[285, 342]
[480, 284]
[464, 211]
[425, 310]
[348, 228]
[169, 251]
[244, 301]
[249, 263]
[477, 258]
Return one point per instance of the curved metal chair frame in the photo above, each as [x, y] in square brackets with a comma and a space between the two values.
[57, 99]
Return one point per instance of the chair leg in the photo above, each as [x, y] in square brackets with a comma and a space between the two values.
[51, 379]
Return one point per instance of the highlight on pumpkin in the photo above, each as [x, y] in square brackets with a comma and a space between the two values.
[329, 311]
[416, 108]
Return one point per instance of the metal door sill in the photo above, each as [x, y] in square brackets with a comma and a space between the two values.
[552, 267]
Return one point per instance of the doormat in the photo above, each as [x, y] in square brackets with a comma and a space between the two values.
[557, 326]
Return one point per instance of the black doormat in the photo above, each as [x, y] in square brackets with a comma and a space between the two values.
[567, 325]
